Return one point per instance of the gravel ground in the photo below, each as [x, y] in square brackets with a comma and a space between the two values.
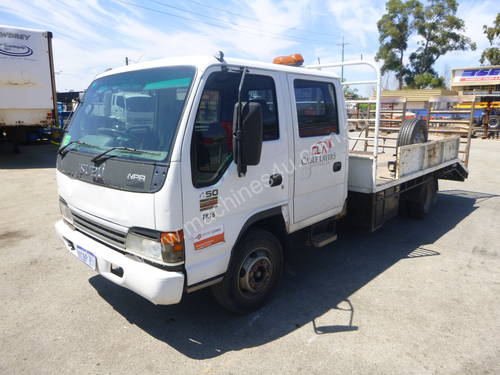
[416, 297]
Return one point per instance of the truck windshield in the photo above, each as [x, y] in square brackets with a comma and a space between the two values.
[138, 110]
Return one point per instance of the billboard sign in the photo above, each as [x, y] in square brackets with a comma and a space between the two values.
[476, 76]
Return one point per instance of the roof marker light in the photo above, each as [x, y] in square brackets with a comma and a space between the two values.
[293, 60]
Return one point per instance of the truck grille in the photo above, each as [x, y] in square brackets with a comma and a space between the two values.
[99, 231]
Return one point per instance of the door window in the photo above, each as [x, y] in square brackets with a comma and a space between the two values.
[212, 141]
[316, 108]
[120, 102]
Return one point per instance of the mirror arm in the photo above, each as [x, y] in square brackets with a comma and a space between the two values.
[237, 134]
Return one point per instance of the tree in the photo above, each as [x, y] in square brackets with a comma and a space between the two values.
[394, 30]
[492, 54]
[351, 93]
[426, 80]
[441, 32]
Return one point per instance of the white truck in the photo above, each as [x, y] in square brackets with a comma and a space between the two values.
[27, 86]
[241, 158]
[132, 108]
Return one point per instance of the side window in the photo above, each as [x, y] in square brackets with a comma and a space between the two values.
[120, 102]
[316, 108]
[212, 141]
[261, 89]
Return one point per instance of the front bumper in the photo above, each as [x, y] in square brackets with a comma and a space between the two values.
[156, 285]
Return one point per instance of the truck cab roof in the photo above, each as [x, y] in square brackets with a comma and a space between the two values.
[203, 62]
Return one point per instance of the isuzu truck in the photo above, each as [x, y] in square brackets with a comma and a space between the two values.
[231, 160]
[28, 99]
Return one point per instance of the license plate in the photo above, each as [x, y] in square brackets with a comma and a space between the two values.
[86, 257]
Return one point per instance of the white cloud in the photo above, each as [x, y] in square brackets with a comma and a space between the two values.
[475, 15]
[357, 19]
[91, 36]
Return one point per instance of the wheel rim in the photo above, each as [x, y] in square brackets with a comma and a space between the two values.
[419, 137]
[493, 123]
[256, 273]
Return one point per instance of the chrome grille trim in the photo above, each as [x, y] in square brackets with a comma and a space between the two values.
[99, 231]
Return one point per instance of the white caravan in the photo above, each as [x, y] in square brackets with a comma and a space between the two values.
[239, 157]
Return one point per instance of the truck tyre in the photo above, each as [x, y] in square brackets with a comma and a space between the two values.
[254, 271]
[412, 131]
[494, 122]
[423, 198]
[17, 135]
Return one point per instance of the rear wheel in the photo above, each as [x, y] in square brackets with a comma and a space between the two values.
[253, 273]
[422, 199]
[17, 135]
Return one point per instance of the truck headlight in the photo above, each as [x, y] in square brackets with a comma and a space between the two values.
[160, 247]
[65, 211]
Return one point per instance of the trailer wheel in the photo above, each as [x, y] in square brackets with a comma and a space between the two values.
[253, 273]
[422, 199]
[412, 131]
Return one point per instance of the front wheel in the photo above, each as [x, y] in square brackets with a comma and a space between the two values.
[253, 273]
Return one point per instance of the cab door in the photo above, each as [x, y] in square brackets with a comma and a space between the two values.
[216, 202]
[320, 146]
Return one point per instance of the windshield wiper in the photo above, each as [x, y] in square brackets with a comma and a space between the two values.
[123, 148]
[64, 150]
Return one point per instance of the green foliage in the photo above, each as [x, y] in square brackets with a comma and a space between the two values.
[351, 93]
[426, 80]
[394, 30]
[440, 32]
[492, 54]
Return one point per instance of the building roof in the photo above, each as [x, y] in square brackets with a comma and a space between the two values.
[478, 67]
[67, 97]
[416, 95]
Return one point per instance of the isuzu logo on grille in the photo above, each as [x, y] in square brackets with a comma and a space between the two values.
[92, 170]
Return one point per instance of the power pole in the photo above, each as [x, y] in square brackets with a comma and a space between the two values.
[343, 44]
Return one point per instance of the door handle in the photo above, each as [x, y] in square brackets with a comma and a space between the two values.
[337, 166]
[275, 180]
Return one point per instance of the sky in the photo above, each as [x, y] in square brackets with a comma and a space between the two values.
[91, 36]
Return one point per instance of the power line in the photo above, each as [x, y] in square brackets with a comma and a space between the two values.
[226, 22]
[237, 27]
[256, 19]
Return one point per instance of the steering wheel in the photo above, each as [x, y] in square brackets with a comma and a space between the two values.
[109, 131]
[132, 129]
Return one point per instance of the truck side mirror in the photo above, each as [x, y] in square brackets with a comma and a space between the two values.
[247, 141]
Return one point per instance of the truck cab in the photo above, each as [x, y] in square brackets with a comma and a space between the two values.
[235, 156]
[132, 108]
